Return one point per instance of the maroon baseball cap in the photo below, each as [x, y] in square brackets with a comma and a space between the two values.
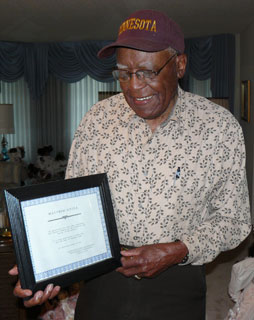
[149, 31]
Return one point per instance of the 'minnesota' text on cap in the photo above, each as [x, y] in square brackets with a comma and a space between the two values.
[136, 23]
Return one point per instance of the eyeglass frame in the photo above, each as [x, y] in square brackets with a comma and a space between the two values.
[142, 78]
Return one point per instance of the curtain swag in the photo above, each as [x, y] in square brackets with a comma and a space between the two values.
[209, 57]
[212, 57]
[67, 61]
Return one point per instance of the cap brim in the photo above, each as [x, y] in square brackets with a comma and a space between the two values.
[137, 43]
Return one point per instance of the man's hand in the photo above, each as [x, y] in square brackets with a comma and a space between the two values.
[39, 297]
[150, 260]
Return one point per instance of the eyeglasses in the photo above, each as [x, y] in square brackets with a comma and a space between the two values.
[143, 75]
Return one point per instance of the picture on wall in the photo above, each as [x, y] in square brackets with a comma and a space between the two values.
[245, 100]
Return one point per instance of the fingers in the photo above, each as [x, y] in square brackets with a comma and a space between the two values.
[21, 293]
[132, 262]
[39, 297]
[42, 296]
[130, 272]
[128, 262]
[131, 258]
[131, 252]
[14, 271]
[54, 292]
[148, 260]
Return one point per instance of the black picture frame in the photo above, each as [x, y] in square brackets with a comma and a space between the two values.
[245, 100]
[25, 204]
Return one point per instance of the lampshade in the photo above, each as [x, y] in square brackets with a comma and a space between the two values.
[6, 118]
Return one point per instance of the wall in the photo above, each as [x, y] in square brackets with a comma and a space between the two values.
[247, 73]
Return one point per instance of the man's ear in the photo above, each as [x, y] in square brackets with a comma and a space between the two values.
[181, 62]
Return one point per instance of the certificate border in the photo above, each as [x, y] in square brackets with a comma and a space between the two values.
[78, 264]
[15, 200]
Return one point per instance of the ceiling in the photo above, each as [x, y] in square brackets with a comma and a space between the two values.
[76, 20]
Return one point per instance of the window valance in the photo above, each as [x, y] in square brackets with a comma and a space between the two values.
[68, 61]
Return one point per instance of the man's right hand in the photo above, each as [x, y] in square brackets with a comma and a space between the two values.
[39, 297]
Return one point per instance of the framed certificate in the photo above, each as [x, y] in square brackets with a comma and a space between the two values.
[63, 231]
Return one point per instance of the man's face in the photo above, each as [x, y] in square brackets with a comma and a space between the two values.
[155, 99]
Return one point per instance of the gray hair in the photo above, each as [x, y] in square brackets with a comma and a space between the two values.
[171, 50]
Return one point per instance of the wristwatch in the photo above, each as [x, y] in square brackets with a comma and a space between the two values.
[185, 259]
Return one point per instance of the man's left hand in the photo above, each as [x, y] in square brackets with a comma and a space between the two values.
[150, 260]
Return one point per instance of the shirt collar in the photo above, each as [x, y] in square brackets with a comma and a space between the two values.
[178, 109]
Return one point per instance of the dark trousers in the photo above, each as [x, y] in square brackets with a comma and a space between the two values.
[176, 294]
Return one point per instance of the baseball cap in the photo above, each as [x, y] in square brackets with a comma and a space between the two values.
[147, 30]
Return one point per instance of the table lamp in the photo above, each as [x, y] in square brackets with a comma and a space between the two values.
[6, 126]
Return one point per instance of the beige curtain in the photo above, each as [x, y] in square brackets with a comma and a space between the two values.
[54, 118]
[17, 93]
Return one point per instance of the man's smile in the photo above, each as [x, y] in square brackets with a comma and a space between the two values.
[143, 98]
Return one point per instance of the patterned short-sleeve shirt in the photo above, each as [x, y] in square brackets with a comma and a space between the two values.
[186, 180]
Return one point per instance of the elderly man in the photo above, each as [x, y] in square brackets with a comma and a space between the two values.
[176, 168]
